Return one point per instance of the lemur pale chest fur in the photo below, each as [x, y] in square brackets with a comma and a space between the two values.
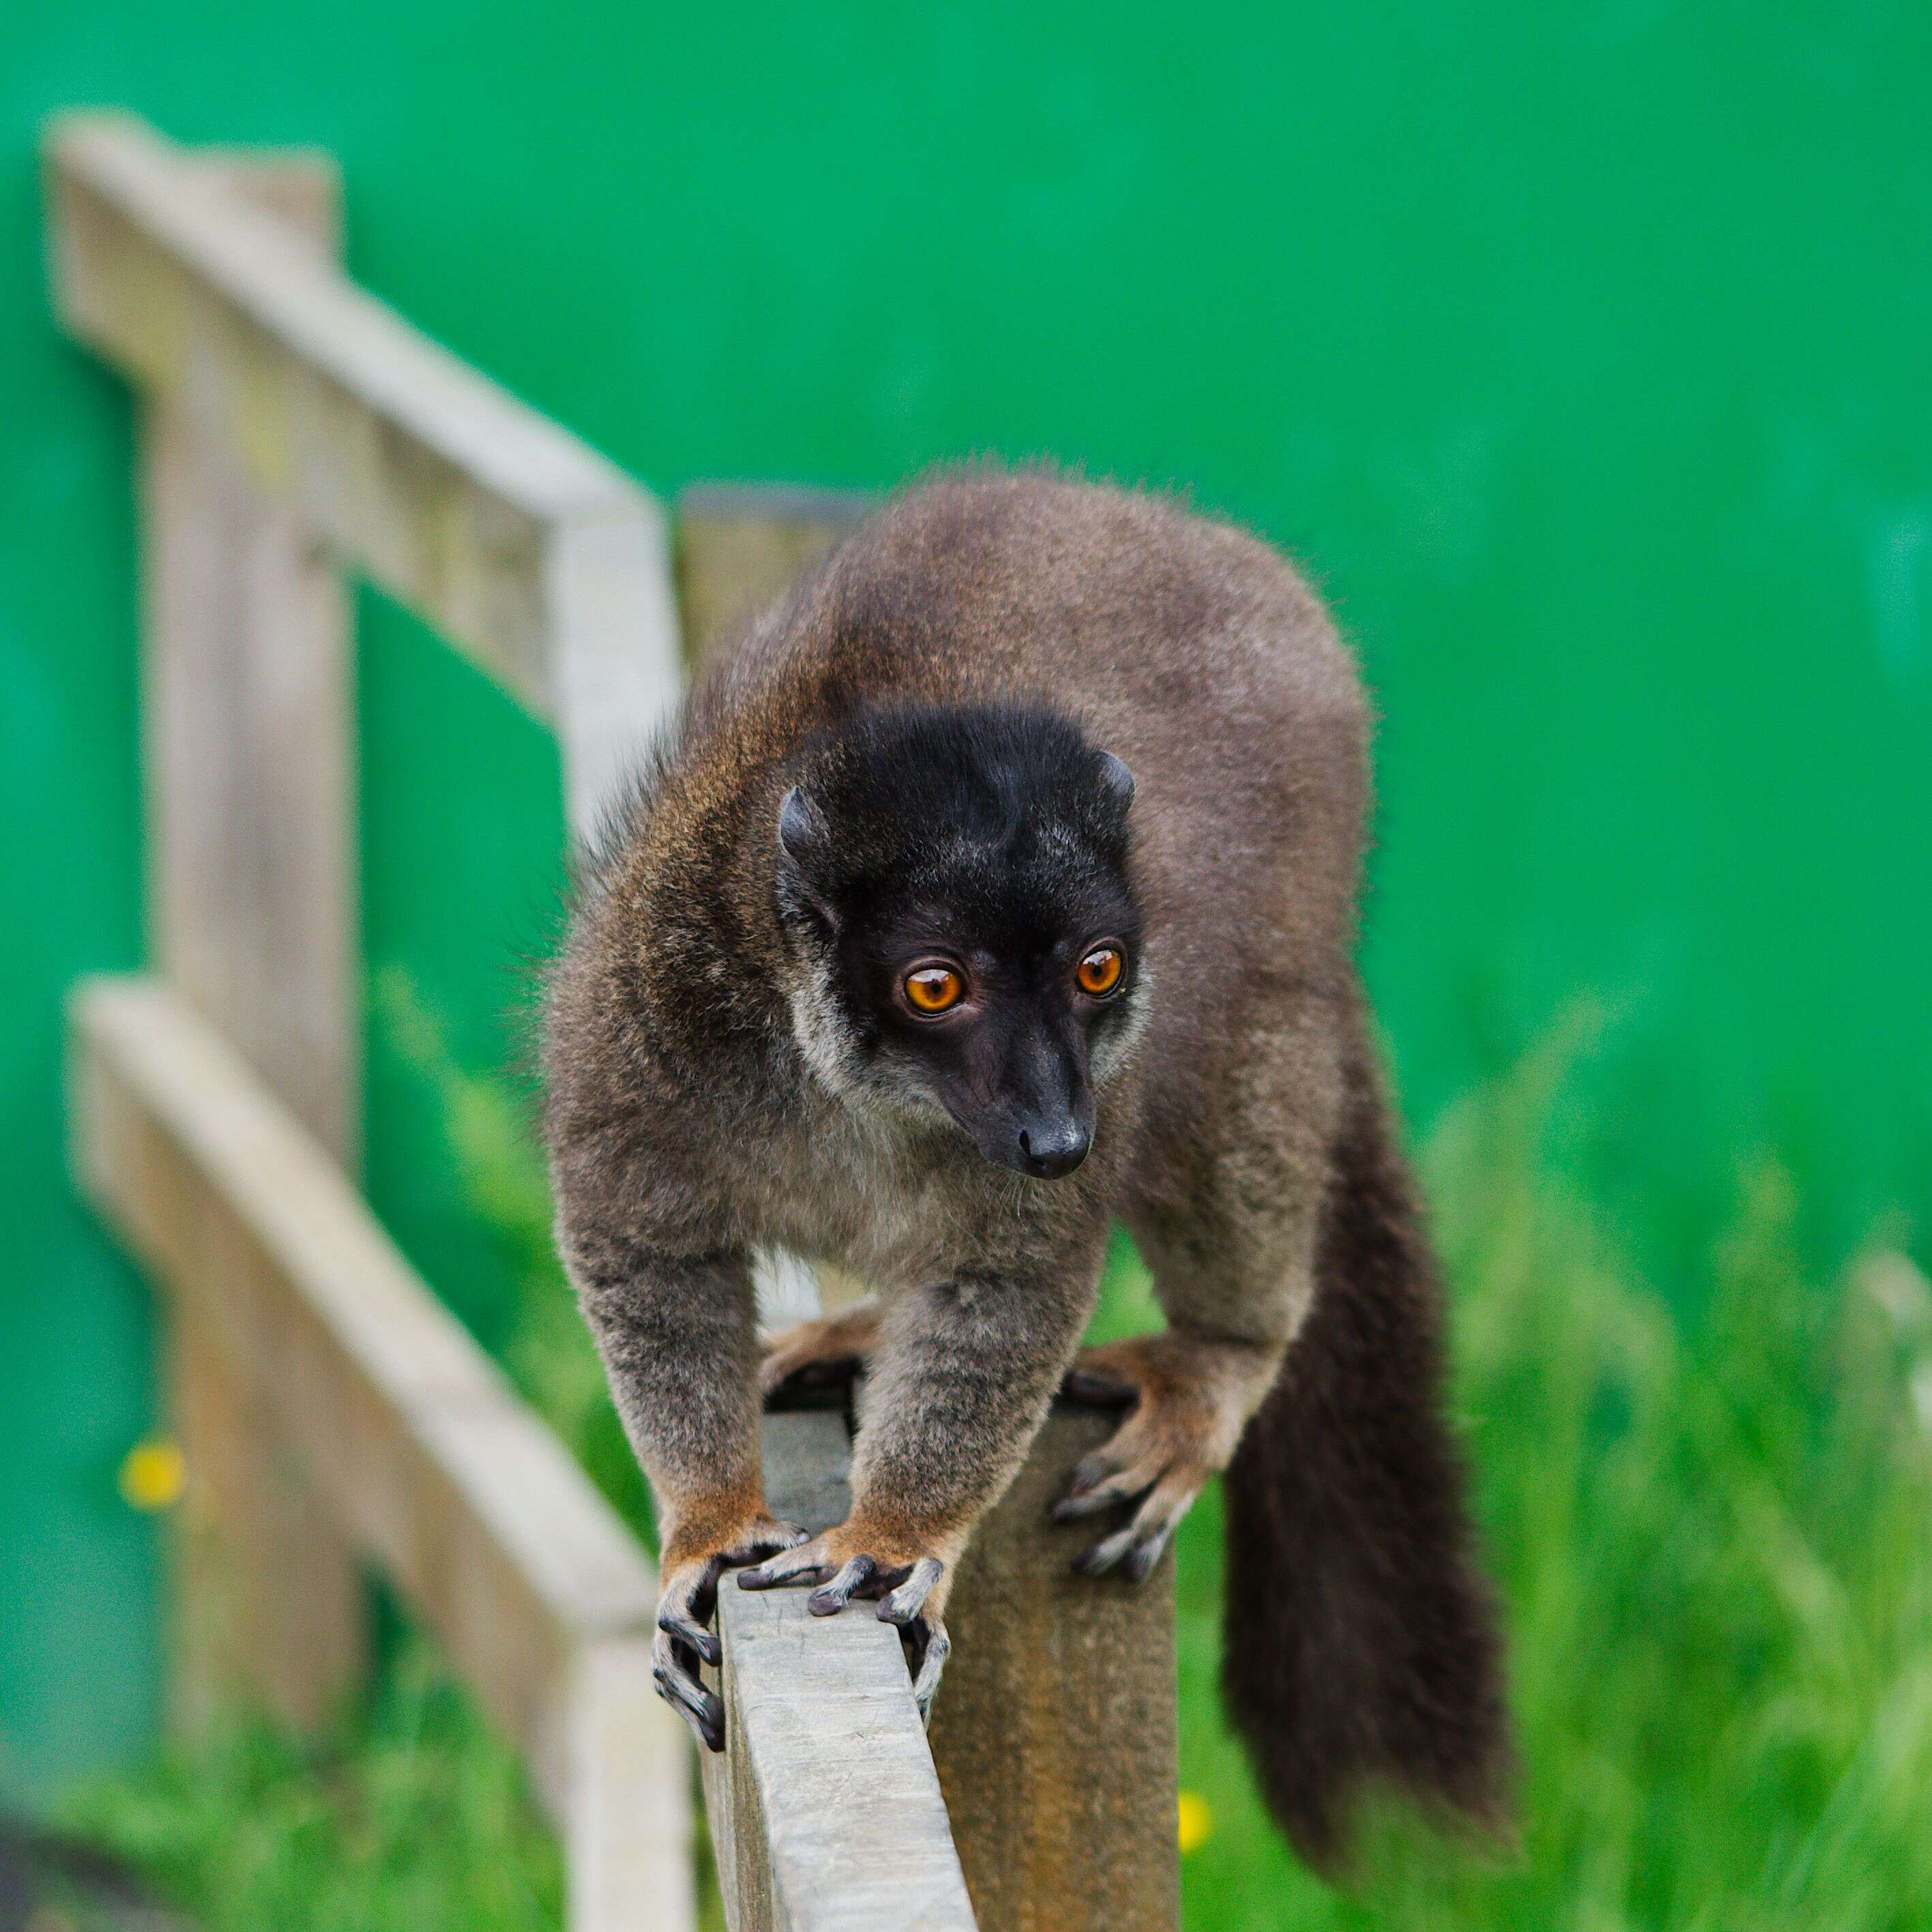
[1002, 884]
[887, 1208]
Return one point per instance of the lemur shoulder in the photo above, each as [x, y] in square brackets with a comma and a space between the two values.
[1002, 884]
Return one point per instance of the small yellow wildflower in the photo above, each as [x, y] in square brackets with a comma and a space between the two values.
[1197, 1821]
[153, 1474]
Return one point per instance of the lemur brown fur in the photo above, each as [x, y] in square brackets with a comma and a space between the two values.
[926, 737]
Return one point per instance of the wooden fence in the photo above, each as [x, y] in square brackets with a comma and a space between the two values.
[293, 431]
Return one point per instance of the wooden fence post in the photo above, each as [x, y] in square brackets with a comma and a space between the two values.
[1055, 1733]
[740, 546]
[252, 896]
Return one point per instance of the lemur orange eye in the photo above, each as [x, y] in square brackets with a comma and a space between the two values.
[934, 989]
[1100, 973]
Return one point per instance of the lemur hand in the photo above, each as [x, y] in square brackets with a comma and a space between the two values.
[851, 1561]
[685, 1602]
[1190, 1397]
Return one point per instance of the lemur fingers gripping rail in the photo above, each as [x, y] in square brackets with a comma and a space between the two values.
[293, 429]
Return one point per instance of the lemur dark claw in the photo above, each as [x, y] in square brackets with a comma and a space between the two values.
[685, 1607]
[903, 1589]
[692, 1635]
[834, 1596]
[802, 1565]
[927, 1645]
[1159, 1499]
[903, 1604]
[927, 1648]
[674, 1669]
[1097, 1485]
[1133, 1552]
[1180, 1427]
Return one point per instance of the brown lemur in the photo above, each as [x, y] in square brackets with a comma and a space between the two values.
[1000, 882]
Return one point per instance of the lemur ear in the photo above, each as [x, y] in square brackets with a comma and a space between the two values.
[1118, 780]
[803, 831]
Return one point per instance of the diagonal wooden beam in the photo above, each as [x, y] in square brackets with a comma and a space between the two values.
[531, 553]
[425, 1456]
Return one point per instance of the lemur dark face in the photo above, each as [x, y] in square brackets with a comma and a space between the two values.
[953, 885]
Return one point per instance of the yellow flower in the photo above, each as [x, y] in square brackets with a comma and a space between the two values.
[1197, 1821]
[153, 1474]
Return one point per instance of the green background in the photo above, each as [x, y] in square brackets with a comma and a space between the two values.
[1580, 352]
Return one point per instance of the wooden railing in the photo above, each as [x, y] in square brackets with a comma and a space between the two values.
[333, 1414]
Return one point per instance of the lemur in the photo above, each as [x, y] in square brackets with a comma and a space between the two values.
[1001, 882]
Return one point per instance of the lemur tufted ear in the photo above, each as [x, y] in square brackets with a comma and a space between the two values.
[802, 830]
[1118, 780]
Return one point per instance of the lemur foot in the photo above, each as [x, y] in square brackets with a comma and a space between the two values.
[685, 1601]
[820, 1353]
[1187, 1399]
[848, 1561]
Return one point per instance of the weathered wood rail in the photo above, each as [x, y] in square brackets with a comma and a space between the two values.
[334, 1415]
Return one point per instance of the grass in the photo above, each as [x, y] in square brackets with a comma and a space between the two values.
[1711, 1533]
[1711, 1530]
[412, 1818]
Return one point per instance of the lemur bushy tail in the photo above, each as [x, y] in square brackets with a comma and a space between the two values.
[1363, 1647]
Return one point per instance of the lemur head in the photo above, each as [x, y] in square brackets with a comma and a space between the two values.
[952, 885]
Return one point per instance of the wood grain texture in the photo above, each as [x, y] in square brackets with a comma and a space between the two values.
[528, 551]
[301, 187]
[627, 1850]
[740, 546]
[265, 1593]
[423, 1454]
[249, 768]
[824, 1808]
[615, 677]
[246, 718]
[1055, 1732]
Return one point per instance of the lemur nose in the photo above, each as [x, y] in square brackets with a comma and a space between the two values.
[1047, 1153]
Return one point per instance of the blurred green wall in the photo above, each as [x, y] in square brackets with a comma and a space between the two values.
[1581, 352]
